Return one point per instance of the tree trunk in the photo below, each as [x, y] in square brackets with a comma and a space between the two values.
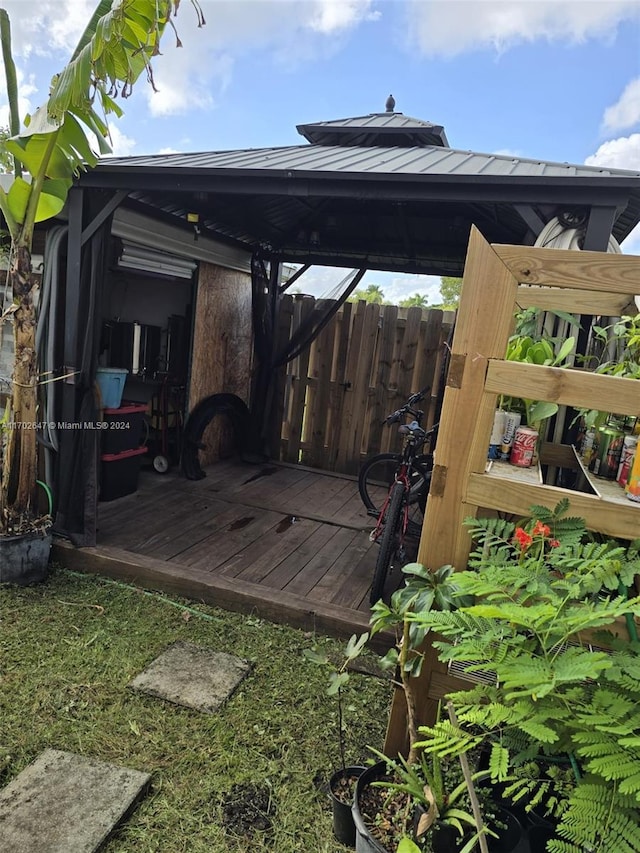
[20, 463]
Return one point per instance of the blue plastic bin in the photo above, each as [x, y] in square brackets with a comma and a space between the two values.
[111, 383]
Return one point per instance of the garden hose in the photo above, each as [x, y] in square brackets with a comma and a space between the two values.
[48, 493]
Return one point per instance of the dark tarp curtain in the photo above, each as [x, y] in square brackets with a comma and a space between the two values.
[265, 299]
[78, 457]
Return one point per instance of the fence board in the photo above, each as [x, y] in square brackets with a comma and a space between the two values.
[321, 372]
[380, 408]
[350, 387]
[302, 308]
[363, 366]
[338, 380]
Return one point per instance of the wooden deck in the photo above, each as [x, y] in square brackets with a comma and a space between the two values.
[284, 542]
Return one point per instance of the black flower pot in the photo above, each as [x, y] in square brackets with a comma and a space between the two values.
[344, 828]
[24, 558]
[365, 842]
[540, 830]
[509, 836]
[444, 838]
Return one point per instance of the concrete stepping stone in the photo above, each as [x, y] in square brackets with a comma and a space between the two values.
[192, 676]
[66, 803]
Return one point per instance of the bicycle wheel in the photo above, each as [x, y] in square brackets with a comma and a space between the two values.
[388, 540]
[378, 473]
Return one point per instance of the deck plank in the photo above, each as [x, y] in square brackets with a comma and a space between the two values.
[282, 540]
[292, 535]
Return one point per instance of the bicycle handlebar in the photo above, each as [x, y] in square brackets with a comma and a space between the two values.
[408, 408]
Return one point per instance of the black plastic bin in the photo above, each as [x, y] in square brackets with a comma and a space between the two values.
[119, 473]
[124, 427]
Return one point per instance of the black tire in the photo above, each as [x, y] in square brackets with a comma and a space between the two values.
[376, 476]
[218, 404]
[388, 541]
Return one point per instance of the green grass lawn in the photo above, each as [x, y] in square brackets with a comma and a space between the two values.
[69, 648]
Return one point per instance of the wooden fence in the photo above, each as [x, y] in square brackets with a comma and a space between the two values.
[331, 401]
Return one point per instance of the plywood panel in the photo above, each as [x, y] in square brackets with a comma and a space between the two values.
[222, 347]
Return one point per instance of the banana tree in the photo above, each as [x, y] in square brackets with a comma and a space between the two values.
[55, 144]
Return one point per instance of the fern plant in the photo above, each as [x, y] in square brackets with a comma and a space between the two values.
[539, 590]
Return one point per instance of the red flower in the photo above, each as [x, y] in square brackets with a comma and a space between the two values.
[554, 543]
[540, 529]
[522, 538]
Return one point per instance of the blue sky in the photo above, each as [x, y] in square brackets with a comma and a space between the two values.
[552, 80]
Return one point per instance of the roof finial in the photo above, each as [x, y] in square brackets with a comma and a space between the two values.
[390, 104]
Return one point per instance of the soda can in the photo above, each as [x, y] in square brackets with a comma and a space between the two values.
[609, 449]
[524, 446]
[629, 446]
[633, 481]
[511, 424]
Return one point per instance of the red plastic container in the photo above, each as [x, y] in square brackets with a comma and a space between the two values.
[124, 430]
[119, 473]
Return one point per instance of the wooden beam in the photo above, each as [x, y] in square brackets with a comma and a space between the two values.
[550, 299]
[484, 322]
[592, 271]
[230, 593]
[605, 516]
[565, 386]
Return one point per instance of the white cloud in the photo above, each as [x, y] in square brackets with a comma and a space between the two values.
[398, 287]
[45, 27]
[450, 28]
[625, 112]
[26, 88]
[189, 78]
[168, 151]
[631, 246]
[121, 145]
[324, 282]
[331, 16]
[622, 153]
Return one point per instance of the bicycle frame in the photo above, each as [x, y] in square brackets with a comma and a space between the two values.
[416, 438]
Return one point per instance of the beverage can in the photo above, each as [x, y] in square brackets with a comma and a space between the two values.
[496, 434]
[633, 481]
[524, 445]
[511, 424]
[609, 449]
[629, 446]
[588, 446]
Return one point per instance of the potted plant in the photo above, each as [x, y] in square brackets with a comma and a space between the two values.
[558, 683]
[343, 780]
[427, 785]
[47, 153]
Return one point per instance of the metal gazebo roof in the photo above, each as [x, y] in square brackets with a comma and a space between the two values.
[383, 191]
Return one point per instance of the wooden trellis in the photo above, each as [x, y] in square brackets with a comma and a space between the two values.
[497, 281]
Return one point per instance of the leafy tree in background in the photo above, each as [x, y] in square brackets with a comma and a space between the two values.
[450, 288]
[418, 300]
[372, 293]
[6, 160]
[54, 146]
